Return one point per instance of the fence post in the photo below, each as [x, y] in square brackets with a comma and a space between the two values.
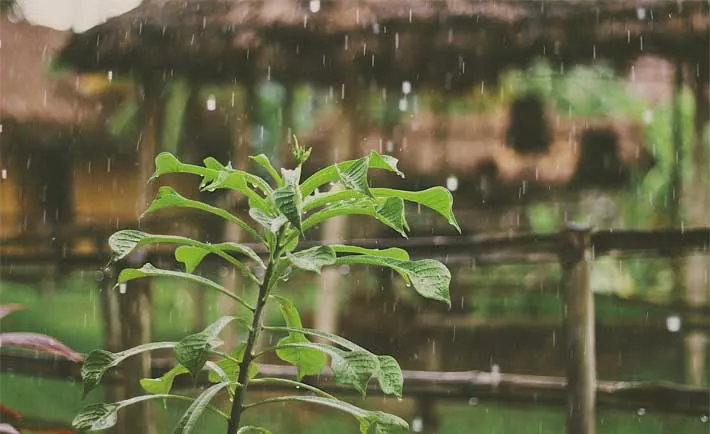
[575, 254]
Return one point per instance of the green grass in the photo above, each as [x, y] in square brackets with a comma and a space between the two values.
[58, 401]
[72, 314]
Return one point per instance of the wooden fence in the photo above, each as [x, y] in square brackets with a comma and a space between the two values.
[574, 248]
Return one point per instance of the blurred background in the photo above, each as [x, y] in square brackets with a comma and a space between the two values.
[532, 113]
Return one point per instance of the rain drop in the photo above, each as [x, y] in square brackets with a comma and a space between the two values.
[641, 411]
[211, 103]
[641, 13]
[403, 104]
[109, 75]
[704, 418]
[473, 401]
[3, 174]
[452, 183]
[673, 323]
[647, 117]
[417, 424]
[314, 6]
[406, 87]
[122, 288]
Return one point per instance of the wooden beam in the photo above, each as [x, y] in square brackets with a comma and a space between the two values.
[576, 260]
[486, 386]
[535, 247]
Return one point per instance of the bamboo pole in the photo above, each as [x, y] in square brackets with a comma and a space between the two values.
[576, 259]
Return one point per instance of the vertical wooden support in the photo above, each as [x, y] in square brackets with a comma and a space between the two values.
[334, 230]
[111, 330]
[135, 305]
[697, 206]
[575, 254]
[242, 123]
[427, 419]
[674, 203]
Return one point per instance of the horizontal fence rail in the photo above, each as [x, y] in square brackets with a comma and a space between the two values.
[469, 386]
[498, 248]
[573, 248]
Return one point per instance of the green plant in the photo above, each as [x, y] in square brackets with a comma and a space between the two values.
[284, 212]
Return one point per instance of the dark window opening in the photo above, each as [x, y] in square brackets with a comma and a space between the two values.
[528, 131]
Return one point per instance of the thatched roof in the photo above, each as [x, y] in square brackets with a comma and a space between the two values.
[444, 44]
[32, 99]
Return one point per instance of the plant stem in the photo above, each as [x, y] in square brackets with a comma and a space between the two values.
[243, 378]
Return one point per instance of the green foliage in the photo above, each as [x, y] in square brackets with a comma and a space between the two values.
[282, 213]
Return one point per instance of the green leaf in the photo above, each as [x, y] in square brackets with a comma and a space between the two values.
[308, 361]
[271, 224]
[336, 195]
[438, 199]
[193, 350]
[354, 368]
[390, 377]
[350, 368]
[167, 197]
[331, 173]
[313, 259]
[123, 242]
[99, 361]
[297, 351]
[371, 422]
[192, 414]
[236, 183]
[263, 161]
[166, 163]
[96, 417]
[242, 249]
[355, 176]
[288, 201]
[164, 384]
[291, 176]
[391, 213]
[101, 416]
[231, 368]
[253, 430]
[392, 252]
[378, 422]
[386, 162]
[314, 332]
[148, 270]
[430, 278]
[190, 256]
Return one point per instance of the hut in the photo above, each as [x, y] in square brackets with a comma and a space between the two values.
[42, 117]
[446, 47]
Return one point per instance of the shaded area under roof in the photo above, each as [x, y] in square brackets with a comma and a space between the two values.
[440, 44]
